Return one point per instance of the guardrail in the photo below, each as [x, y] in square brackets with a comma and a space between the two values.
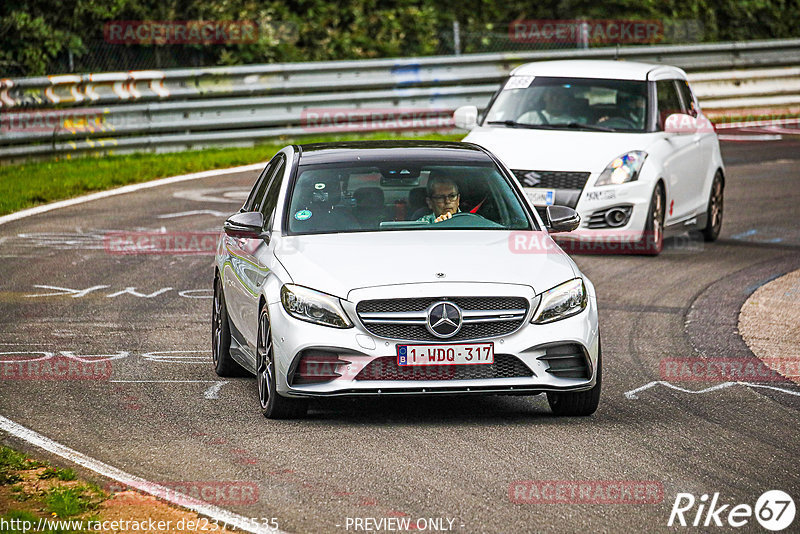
[224, 106]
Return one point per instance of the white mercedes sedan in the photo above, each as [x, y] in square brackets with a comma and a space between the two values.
[401, 268]
[625, 144]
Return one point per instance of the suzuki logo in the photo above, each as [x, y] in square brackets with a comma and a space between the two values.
[444, 319]
[532, 178]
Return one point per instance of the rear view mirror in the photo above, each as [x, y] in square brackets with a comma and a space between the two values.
[466, 117]
[562, 219]
[248, 225]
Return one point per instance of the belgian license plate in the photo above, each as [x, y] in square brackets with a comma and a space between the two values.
[450, 354]
[541, 197]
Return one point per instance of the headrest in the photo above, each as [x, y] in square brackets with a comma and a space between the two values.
[369, 197]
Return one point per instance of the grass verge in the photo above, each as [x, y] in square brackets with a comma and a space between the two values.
[38, 497]
[29, 184]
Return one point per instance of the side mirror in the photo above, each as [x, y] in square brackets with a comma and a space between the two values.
[680, 123]
[249, 225]
[562, 219]
[466, 117]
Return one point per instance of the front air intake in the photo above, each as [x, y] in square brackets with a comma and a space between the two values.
[569, 360]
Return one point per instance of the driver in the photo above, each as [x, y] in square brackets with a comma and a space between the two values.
[558, 108]
[443, 199]
[630, 107]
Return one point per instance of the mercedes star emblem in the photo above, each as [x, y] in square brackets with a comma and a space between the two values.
[444, 319]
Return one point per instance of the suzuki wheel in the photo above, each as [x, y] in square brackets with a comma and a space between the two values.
[714, 211]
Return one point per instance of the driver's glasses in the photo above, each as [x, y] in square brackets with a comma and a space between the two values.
[444, 198]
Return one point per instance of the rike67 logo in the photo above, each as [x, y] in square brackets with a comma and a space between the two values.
[774, 510]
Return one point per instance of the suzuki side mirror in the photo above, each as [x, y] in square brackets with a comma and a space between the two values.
[680, 123]
[466, 117]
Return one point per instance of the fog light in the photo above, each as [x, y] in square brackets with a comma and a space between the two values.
[616, 217]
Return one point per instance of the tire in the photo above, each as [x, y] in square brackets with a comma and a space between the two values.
[273, 406]
[224, 365]
[578, 403]
[653, 241]
[714, 210]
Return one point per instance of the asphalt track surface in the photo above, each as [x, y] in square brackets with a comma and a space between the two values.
[165, 416]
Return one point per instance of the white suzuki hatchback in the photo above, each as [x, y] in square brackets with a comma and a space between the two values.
[625, 144]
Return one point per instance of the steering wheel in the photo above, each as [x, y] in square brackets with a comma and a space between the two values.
[618, 122]
[465, 219]
[466, 214]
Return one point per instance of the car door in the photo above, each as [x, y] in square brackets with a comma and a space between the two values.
[244, 273]
[258, 254]
[681, 161]
[705, 140]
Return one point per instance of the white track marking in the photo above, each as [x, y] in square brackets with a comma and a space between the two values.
[178, 356]
[74, 293]
[45, 356]
[89, 358]
[185, 501]
[632, 394]
[167, 381]
[213, 391]
[224, 195]
[126, 189]
[132, 291]
[193, 212]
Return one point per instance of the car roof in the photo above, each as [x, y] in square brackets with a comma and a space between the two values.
[362, 152]
[595, 68]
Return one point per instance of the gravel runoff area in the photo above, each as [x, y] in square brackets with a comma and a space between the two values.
[769, 323]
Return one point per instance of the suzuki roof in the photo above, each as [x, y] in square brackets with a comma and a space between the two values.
[595, 68]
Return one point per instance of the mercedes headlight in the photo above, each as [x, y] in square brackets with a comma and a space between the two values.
[312, 306]
[623, 169]
[562, 301]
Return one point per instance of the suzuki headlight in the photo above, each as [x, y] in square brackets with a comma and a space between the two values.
[312, 306]
[562, 301]
[623, 169]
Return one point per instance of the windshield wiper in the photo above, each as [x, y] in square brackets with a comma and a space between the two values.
[577, 125]
[514, 124]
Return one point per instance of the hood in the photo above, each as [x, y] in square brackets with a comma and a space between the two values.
[558, 150]
[339, 263]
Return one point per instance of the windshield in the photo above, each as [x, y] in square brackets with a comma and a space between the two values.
[403, 195]
[571, 103]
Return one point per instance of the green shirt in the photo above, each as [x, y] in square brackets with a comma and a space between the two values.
[429, 218]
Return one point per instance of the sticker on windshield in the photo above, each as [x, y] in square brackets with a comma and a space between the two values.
[319, 186]
[518, 82]
[302, 215]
